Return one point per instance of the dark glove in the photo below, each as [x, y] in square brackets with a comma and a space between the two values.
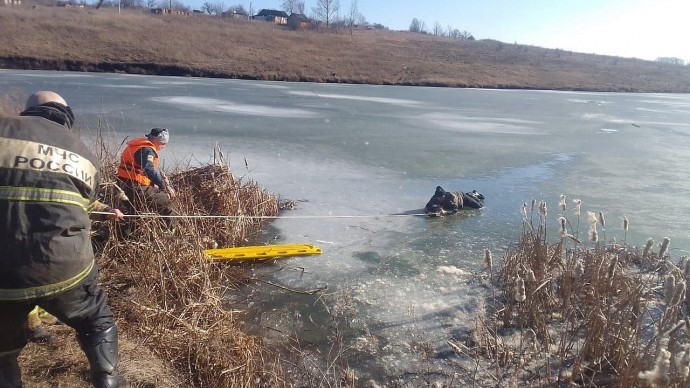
[478, 194]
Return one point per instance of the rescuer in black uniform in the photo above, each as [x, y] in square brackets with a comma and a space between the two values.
[48, 182]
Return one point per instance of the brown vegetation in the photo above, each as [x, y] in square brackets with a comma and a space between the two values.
[582, 314]
[588, 316]
[201, 45]
[167, 297]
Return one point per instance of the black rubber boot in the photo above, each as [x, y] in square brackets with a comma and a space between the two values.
[39, 335]
[101, 351]
[10, 376]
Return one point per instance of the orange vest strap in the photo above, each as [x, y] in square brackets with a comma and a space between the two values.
[130, 169]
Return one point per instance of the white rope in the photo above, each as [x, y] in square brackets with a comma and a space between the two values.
[151, 215]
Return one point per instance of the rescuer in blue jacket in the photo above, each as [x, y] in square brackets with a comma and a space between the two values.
[140, 179]
[48, 182]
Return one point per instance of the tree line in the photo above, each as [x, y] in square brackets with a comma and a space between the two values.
[328, 12]
[418, 26]
[672, 61]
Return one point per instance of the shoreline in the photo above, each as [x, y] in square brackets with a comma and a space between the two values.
[170, 70]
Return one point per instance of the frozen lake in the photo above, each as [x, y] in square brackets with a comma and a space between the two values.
[352, 155]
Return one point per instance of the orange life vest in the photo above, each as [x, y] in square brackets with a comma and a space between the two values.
[129, 168]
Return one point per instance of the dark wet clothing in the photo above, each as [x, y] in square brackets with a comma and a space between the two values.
[472, 200]
[451, 202]
[447, 202]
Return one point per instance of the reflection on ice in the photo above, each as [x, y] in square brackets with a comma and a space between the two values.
[605, 117]
[216, 105]
[130, 87]
[495, 125]
[383, 100]
[585, 101]
[676, 103]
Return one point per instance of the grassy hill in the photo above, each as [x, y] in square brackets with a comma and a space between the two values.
[201, 45]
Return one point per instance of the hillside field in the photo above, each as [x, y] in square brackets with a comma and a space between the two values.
[103, 40]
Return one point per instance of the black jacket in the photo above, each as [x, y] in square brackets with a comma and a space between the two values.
[48, 180]
[451, 202]
[447, 202]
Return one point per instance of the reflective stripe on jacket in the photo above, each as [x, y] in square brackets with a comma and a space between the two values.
[131, 169]
[48, 179]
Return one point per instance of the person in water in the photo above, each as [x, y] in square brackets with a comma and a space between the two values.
[446, 202]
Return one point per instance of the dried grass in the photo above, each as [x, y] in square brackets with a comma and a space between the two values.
[202, 45]
[590, 314]
[169, 296]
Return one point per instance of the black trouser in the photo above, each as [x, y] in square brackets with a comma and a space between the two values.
[468, 200]
[84, 308]
[142, 198]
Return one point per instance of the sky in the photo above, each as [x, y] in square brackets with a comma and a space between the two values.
[645, 29]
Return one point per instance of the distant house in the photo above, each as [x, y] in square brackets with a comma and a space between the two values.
[234, 14]
[298, 21]
[168, 11]
[69, 4]
[273, 16]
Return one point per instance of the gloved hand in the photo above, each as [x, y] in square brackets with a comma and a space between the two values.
[116, 215]
[478, 194]
[171, 192]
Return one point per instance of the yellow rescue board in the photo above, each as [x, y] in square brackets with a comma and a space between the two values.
[261, 252]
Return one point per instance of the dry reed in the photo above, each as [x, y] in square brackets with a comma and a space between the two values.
[589, 315]
[166, 294]
[164, 291]
[167, 297]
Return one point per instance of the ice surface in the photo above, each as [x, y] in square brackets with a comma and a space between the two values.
[397, 281]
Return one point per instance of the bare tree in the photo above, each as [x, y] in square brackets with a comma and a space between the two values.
[238, 9]
[213, 8]
[325, 10]
[416, 25]
[352, 15]
[361, 20]
[438, 30]
[293, 6]
[289, 6]
[179, 5]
